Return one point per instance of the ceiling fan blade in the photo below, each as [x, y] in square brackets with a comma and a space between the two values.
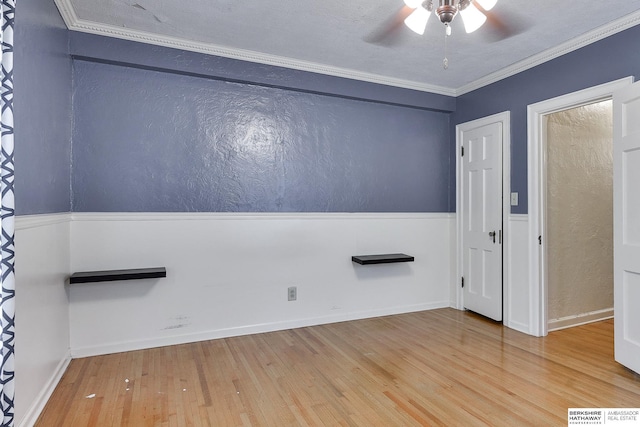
[387, 33]
[501, 25]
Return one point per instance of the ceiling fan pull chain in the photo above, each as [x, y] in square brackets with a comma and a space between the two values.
[447, 33]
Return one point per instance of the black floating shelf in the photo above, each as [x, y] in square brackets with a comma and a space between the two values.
[381, 259]
[112, 275]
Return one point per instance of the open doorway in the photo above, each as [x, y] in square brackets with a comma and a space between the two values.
[536, 162]
[579, 214]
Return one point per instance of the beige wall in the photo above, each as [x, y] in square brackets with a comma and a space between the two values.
[579, 211]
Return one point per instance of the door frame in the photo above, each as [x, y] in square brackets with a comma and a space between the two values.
[536, 177]
[505, 119]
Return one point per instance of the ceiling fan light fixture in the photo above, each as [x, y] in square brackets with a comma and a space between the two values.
[415, 3]
[447, 10]
[417, 21]
[472, 18]
[486, 4]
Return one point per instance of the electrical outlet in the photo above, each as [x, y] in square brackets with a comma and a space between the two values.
[292, 293]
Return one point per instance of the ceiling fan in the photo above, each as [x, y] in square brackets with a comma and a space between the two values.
[470, 10]
[414, 14]
[473, 13]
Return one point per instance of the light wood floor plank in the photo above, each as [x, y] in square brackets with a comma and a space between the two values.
[434, 368]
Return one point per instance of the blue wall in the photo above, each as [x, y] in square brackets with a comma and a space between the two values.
[609, 59]
[158, 129]
[42, 109]
[161, 136]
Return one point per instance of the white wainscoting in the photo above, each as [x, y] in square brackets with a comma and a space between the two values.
[228, 274]
[518, 307]
[42, 310]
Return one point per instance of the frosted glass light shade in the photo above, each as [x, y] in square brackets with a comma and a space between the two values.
[472, 18]
[417, 21]
[486, 4]
[415, 3]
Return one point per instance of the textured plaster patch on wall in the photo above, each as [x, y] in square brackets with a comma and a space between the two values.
[580, 210]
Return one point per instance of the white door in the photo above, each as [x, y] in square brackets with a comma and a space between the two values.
[626, 225]
[482, 220]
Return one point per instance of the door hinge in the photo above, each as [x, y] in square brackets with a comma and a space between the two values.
[463, 281]
[462, 151]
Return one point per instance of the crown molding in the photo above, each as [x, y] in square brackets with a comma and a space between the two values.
[73, 23]
[555, 52]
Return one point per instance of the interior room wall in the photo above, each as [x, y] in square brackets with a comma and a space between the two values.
[42, 109]
[579, 200]
[242, 189]
[42, 119]
[157, 141]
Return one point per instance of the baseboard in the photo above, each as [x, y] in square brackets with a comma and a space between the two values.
[248, 330]
[38, 405]
[580, 319]
[518, 326]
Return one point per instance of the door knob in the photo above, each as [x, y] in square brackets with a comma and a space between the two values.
[492, 235]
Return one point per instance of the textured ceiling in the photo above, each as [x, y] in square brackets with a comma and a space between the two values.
[341, 37]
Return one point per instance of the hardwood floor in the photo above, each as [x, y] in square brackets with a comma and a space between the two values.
[439, 367]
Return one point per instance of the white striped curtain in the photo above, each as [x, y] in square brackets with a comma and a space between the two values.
[7, 214]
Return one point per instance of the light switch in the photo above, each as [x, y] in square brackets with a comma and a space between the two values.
[514, 199]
